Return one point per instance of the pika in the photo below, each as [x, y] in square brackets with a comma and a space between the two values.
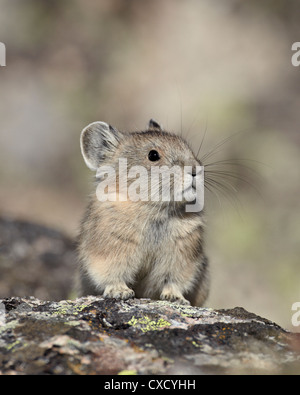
[144, 248]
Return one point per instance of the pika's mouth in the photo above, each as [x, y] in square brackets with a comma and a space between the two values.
[190, 188]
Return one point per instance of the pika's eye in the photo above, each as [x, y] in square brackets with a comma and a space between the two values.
[153, 155]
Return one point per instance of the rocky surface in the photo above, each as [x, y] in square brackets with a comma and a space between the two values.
[35, 260]
[104, 336]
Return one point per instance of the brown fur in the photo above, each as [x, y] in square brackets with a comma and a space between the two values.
[143, 249]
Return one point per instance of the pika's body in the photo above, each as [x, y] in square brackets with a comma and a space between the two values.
[151, 249]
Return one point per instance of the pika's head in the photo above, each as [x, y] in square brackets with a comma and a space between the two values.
[154, 154]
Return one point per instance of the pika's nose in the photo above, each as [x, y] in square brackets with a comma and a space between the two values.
[196, 171]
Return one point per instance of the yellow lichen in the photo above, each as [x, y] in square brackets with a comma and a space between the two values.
[127, 372]
[146, 324]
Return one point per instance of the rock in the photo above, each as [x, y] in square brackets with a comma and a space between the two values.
[35, 260]
[93, 335]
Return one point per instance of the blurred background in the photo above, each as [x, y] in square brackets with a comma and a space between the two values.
[194, 66]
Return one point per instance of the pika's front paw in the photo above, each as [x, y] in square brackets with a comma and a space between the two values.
[119, 291]
[168, 294]
[175, 299]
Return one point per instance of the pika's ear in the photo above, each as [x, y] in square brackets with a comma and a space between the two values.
[97, 141]
[153, 125]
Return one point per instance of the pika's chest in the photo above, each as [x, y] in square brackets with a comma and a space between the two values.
[157, 232]
[162, 232]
